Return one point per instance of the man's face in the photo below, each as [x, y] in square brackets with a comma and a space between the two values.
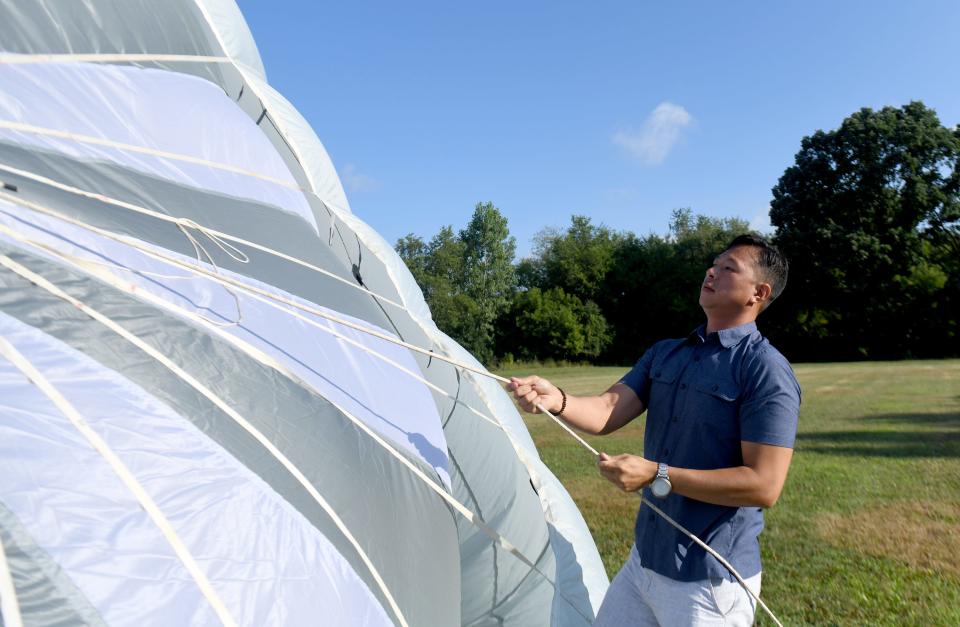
[731, 282]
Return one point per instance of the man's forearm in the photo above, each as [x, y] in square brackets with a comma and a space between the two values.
[599, 415]
[595, 415]
[739, 486]
[589, 414]
[757, 483]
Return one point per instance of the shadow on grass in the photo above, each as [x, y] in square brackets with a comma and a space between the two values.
[941, 441]
[945, 419]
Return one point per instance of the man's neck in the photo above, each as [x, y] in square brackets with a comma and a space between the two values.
[719, 323]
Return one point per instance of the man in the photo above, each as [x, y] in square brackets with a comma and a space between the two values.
[722, 407]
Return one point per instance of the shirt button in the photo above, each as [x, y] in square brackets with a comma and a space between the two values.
[683, 386]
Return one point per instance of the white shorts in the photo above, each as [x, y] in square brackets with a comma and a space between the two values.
[639, 596]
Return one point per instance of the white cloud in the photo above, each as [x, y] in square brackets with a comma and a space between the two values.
[761, 222]
[660, 133]
[355, 181]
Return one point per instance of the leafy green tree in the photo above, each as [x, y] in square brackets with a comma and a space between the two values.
[530, 273]
[553, 324]
[652, 292]
[467, 278]
[565, 278]
[577, 259]
[489, 277]
[414, 252]
[437, 267]
[868, 215]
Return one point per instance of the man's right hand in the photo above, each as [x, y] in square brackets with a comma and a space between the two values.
[533, 390]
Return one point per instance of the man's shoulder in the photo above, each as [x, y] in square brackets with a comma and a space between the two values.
[762, 358]
[760, 349]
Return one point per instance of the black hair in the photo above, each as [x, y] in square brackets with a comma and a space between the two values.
[771, 264]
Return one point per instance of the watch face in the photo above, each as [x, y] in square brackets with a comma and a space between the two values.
[660, 487]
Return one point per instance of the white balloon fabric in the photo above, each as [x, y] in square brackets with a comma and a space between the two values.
[207, 412]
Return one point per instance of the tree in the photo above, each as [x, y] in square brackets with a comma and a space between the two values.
[553, 324]
[489, 275]
[530, 273]
[437, 268]
[652, 291]
[414, 252]
[577, 259]
[467, 278]
[868, 216]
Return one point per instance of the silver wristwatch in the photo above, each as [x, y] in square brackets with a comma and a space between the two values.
[661, 486]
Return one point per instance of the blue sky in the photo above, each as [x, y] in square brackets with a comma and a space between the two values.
[621, 111]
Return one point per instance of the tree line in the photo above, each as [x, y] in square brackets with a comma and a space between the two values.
[868, 215]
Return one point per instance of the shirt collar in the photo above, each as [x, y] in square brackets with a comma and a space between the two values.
[727, 337]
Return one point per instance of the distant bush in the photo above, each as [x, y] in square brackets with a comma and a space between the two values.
[552, 325]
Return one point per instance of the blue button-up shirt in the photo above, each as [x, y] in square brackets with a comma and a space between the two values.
[704, 395]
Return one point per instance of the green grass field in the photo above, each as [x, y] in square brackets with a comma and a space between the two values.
[867, 531]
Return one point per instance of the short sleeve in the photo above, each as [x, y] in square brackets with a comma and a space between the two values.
[770, 409]
[638, 379]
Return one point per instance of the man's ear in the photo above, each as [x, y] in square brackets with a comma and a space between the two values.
[762, 293]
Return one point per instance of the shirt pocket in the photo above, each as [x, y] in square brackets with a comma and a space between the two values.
[665, 371]
[716, 406]
[663, 377]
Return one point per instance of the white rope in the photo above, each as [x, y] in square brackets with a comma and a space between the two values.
[9, 607]
[262, 357]
[31, 59]
[185, 224]
[181, 223]
[121, 470]
[43, 283]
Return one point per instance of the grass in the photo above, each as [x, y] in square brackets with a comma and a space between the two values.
[867, 531]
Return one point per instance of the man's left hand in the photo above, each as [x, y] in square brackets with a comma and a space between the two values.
[627, 472]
